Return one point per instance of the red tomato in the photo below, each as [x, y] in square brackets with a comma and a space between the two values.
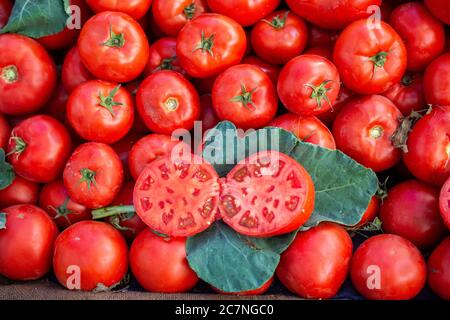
[204, 86]
[444, 203]
[271, 70]
[428, 156]
[5, 11]
[373, 63]
[208, 115]
[284, 190]
[172, 15]
[101, 111]
[279, 37]
[39, 148]
[154, 258]
[166, 101]
[319, 37]
[245, 12]
[317, 262]
[26, 243]
[388, 267]
[323, 51]
[113, 47]
[439, 270]
[256, 292]
[27, 75]
[411, 210]
[20, 191]
[371, 212]
[439, 8]
[93, 175]
[308, 85]
[56, 107]
[343, 98]
[102, 265]
[135, 8]
[437, 81]
[306, 128]
[163, 56]
[209, 44]
[123, 148]
[5, 131]
[60, 207]
[363, 130]
[245, 95]
[73, 71]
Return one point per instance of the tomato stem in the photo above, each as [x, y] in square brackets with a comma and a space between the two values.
[319, 92]
[246, 97]
[112, 211]
[10, 74]
[166, 64]
[63, 211]
[189, 11]
[115, 40]
[206, 44]
[407, 80]
[379, 59]
[171, 104]
[20, 146]
[400, 136]
[278, 22]
[108, 101]
[376, 132]
[87, 176]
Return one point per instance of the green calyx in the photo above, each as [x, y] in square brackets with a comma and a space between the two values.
[87, 176]
[167, 63]
[319, 93]
[10, 74]
[278, 22]
[63, 211]
[407, 80]
[189, 11]
[108, 101]
[206, 44]
[246, 97]
[116, 40]
[20, 146]
[379, 59]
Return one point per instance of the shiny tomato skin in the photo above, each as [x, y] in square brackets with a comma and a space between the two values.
[304, 76]
[306, 128]
[226, 49]
[20, 191]
[230, 103]
[373, 63]
[398, 263]
[439, 271]
[153, 258]
[429, 147]
[444, 203]
[256, 292]
[323, 51]
[20, 258]
[208, 115]
[135, 8]
[56, 106]
[73, 71]
[363, 130]
[5, 131]
[27, 75]
[329, 116]
[371, 212]
[166, 101]
[111, 60]
[437, 81]
[163, 56]
[271, 70]
[123, 148]
[93, 175]
[439, 8]
[104, 264]
[280, 37]
[317, 262]
[5, 11]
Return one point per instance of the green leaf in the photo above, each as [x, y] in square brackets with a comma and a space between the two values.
[2, 220]
[36, 18]
[233, 262]
[7, 174]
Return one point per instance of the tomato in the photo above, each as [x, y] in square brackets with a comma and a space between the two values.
[135, 8]
[163, 56]
[256, 292]
[166, 101]
[5, 131]
[422, 33]
[26, 243]
[245, 95]
[439, 270]
[408, 94]
[56, 107]
[444, 203]
[371, 212]
[411, 210]
[55, 200]
[27, 75]
[245, 12]
[306, 128]
[209, 44]
[39, 148]
[332, 14]
[101, 111]
[319, 37]
[437, 81]
[317, 262]
[73, 71]
[308, 85]
[20, 191]
[123, 148]
[5, 11]
[153, 258]
[323, 51]
[363, 130]
[428, 156]
[343, 98]
[271, 70]
[388, 267]
[373, 63]
[97, 266]
[93, 175]
[113, 47]
[208, 115]
[439, 8]
[172, 15]
[283, 189]
[279, 37]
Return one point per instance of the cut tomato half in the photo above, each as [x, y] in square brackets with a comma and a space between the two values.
[444, 203]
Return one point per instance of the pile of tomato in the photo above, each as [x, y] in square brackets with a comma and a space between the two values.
[101, 187]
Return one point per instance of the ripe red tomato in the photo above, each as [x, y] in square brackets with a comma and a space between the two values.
[172, 15]
[123, 148]
[245, 95]
[271, 70]
[330, 115]
[439, 8]
[209, 44]
[60, 207]
[439, 270]
[166, 101]
[373, 63]
[56, 107]
[308, 85]
[317, 262]
[411, 210]
[306, 128]
[73, 71]
[429, 147]
[93, 175]
[363, 130]
[319, 37]
[163, 56]
[208, 115]
[5, 11]
[437, 81]
[97, 266]
[371, 212]
[279, 37]
[101, 111]
[323, 51]
[153, 258]
[267, 194]
[5, 131]
[27, 75]
[113, 47]
[26, 243]
[256, 292]
[39, 148]
[135, 8]
[444, 203]
[245, 12]
[20, 191]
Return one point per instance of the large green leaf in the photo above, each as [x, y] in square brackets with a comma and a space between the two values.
[7, 174]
